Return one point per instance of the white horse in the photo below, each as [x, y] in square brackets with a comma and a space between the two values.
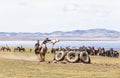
[54, 41]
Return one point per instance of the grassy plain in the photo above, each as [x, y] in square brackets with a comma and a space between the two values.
[26, 65]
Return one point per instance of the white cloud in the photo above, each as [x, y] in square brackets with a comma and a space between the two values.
[51, 15]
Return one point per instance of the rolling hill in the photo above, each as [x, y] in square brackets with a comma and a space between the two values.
[91, 34]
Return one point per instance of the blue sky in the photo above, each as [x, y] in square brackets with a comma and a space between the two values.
[58, 15]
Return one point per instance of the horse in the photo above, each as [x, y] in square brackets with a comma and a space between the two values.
[8, 49]
[43, 49]
[22, 49]
[54, 41]
[16, 49]
[19, 49]
[5, 49]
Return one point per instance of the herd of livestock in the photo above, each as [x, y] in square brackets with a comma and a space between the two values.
[70, 54]
[8, 49]
[90, 50]
[82, 53]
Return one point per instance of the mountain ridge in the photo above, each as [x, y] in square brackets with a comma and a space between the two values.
[64, 35]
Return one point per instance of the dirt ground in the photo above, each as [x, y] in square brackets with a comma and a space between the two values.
[27, 65]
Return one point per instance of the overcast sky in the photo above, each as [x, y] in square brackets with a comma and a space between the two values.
[58, 15]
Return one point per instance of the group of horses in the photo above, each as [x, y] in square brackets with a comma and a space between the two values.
[3, 48]
[90, 50]
[8, 49]
[43, 50]
[101, 51]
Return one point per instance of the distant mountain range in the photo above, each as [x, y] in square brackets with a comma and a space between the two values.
[91, 34]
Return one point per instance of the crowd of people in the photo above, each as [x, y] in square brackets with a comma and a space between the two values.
[91, 50]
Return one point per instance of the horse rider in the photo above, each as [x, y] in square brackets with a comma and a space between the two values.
[37, 47]
[46, 40]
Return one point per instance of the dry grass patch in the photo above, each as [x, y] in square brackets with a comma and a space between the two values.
[101, 67]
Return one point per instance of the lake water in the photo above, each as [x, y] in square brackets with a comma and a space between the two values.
[96, 44]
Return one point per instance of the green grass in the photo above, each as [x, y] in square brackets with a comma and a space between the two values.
[101, 67]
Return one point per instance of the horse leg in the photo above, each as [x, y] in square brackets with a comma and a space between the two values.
[41, 57]
[44, 53]
[44, 56]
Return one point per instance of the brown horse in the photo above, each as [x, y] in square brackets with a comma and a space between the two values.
[8, 49]
[19, 49]
[5, 49]
[43, 51]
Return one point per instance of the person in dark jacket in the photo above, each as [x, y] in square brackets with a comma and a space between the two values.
[37, 47]
[46, 40]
